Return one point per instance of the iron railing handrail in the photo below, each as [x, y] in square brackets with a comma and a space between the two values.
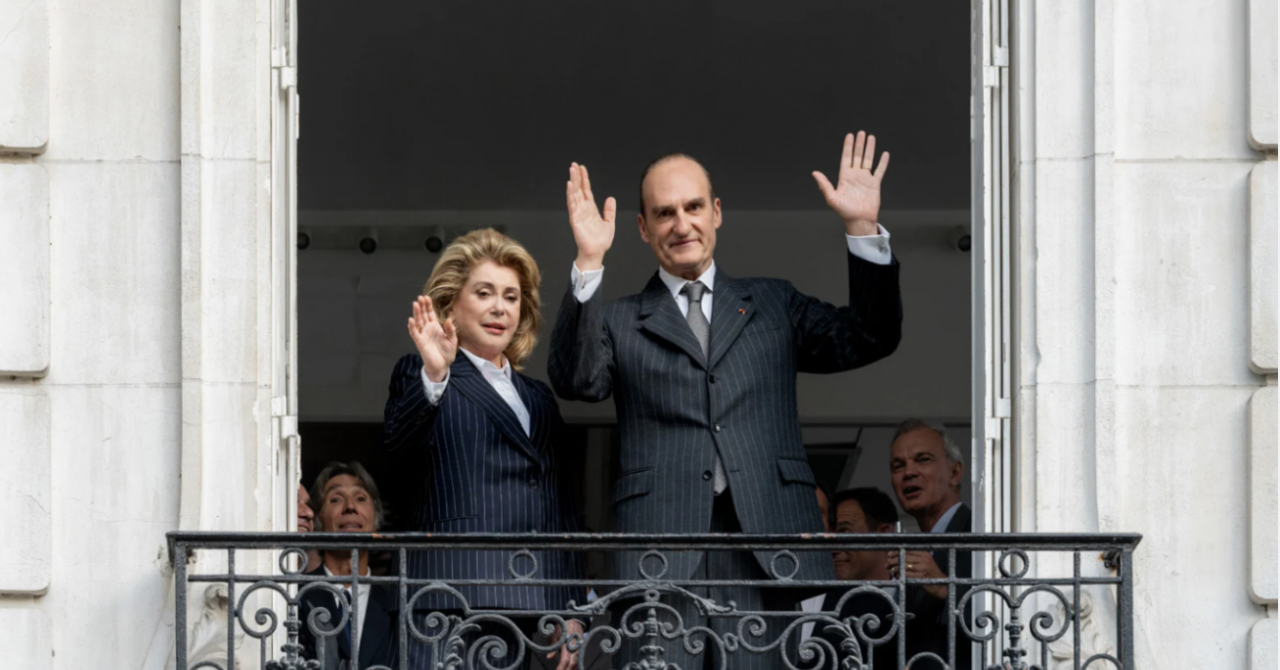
[676, 541]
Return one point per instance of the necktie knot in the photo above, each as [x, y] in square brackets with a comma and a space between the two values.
[694, 290]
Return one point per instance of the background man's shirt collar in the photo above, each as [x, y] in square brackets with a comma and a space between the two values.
[941, 526]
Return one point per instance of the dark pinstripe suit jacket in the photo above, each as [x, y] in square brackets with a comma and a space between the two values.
[676, 409]
[479, 472]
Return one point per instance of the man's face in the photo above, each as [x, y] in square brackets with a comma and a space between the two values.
[824, 506]
[922, 477]
[857, 564]
[680, 218]
[347, 506]
[306, 517]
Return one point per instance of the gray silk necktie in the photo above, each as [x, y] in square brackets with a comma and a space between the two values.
[702, 330]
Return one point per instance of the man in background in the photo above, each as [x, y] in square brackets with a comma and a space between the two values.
[926, 469]
[349, 502]
[306, 524]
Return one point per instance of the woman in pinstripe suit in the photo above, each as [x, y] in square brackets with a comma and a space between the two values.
[481, 437]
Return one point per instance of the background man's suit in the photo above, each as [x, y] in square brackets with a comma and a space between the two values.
[377, 637]
[677, 409]
[927, 629]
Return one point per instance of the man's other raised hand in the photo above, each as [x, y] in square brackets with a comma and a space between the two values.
[856, 195]
[592, 231]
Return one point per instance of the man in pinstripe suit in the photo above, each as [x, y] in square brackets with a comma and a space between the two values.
[703, 367]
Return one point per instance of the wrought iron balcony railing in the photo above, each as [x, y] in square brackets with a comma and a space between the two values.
[1035, 601]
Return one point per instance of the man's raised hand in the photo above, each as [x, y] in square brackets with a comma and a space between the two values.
[437, 341]
[591, 231]
[856, 196]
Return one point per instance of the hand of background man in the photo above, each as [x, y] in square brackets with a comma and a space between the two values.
[568, 659]
[591, 231]
[920, 565]
[856, 196]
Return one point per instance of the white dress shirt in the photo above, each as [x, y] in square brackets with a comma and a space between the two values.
[362, 602]
[945, 520]
[871, 248]
[498, 378]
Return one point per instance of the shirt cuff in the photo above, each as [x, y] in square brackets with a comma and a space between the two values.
[585, 283]
[433, 390]
[871, 248]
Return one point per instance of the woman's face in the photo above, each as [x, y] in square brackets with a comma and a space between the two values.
[487, 311]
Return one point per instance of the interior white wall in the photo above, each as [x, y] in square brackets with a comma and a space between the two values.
[353, 307]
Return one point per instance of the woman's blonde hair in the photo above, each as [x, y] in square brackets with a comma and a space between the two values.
[464, 254]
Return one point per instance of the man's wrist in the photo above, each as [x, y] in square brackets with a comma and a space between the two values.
[435, 377]
[861, 228]
[586, 263]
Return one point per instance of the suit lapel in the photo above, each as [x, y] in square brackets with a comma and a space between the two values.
[471, 383]
[539, 419]
[660, 316]
[731, 311]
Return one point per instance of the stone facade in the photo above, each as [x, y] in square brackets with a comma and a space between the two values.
[141, 373]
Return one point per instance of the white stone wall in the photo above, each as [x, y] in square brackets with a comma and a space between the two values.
[1147, 290]
[141, 351]
[131, 256]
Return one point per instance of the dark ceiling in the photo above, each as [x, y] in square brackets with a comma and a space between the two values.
[418, 104]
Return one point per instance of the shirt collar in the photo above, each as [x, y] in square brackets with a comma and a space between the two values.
[945, 520]
[674, 283]
[487, 367]
[327, 572]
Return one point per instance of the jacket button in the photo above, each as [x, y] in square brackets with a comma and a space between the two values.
[706, 475]
[713, 379]
[533, 483]
[716, 428]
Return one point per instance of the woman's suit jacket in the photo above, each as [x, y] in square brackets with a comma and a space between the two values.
[475, 471]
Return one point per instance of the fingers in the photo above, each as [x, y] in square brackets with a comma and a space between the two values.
[610, 209]
[858, 144]
[428, 310]
[828, 191]
[586, 184]
[869, 158]
[884, 164]
[575, 178]
[846, 154]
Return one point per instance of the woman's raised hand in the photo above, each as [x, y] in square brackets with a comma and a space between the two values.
[436, 340]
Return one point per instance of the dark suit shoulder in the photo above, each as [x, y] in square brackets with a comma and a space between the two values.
[408, 362]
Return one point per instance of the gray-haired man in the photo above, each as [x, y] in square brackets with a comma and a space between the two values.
[926, 469]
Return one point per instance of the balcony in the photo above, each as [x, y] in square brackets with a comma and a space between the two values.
[1024, 608]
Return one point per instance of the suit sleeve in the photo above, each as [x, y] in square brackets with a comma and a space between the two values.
[409, 415]
[581, 361]
[835, 339]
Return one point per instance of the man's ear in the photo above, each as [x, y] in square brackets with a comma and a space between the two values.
[957, 473]
[644, 230]
[885, 528]
[716, 208]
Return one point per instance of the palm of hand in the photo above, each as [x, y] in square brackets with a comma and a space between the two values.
[856, 194]
[592, 232]
[438, 349]
[857, 197]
